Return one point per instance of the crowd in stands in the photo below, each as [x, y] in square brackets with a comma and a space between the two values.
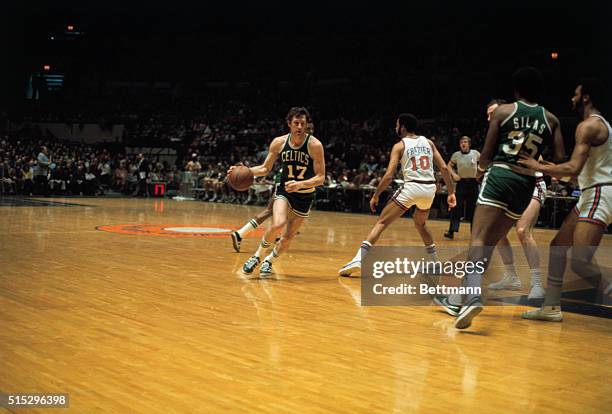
[50, 166]
[209, 138]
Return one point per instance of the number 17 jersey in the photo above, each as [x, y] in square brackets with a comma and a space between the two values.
[526, 129]
[417, 160]
[297, 164]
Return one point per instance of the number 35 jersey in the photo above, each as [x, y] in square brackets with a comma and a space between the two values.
[297, 164]
[526, 129]
[417, 160]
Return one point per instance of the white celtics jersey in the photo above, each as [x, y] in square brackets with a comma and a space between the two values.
[417, 160]
[598, 166]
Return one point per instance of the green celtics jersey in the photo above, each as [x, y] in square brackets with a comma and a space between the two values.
[526, 129]
[297, 164]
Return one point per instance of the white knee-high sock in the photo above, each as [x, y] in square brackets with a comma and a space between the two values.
[247, 228]
[272, 256]
[263, 245]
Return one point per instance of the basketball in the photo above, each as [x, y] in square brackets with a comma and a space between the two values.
[241, 178]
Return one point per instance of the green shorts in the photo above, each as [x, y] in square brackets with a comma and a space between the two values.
[299, 203]
[507, 190]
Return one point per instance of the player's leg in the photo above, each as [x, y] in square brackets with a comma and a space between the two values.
[491, 224]
[421, 214]
[524, 231]
[504, 196]
[587, 237]
[290, 230]
[252, 224]
[420, 224]
[280, 210]
[559, 245]
[423, 196]
[392, 211]
[510, 279]
[583, 228]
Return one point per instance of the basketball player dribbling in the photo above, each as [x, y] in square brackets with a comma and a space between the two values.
[416, 155]
[583, 228]
[303, 168]
[266, 213]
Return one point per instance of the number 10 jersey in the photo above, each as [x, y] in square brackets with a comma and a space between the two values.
[417, 160]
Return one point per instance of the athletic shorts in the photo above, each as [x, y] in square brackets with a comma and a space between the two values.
[539, 192]
[299, 203]
[595, 205]
[411, 194]
[507, 190]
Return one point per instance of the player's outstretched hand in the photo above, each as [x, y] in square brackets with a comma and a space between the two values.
[373, 203]
[528, 161]
[234, 166]
[292, 186]
[452, 201]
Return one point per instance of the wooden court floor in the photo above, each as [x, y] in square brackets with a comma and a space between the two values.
[146, 323]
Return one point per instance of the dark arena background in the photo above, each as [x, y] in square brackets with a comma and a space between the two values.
[124, 286]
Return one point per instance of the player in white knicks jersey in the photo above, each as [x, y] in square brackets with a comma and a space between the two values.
[591, 161]
[415, 155]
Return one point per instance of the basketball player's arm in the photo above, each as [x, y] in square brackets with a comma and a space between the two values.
[265, 168]
[396, 154]
[492, 136]
[571, 168]
[450, 184]
[318, 156]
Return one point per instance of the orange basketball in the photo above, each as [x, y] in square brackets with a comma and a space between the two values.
[240, 178]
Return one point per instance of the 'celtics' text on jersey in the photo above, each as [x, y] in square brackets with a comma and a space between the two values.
[297, 164]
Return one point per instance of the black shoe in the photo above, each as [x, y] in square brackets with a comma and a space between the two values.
[449, 235]
[236, 239]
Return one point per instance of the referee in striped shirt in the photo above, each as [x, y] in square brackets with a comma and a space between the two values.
[462, 166]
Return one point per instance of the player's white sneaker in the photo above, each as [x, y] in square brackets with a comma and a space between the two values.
[351, 267]
[468, 312]
[508, 282]
[545, 313]
[536, 292]
[250, 264]
[266, 268]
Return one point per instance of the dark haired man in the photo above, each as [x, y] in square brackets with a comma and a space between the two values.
[266, 213]
[591, 162]
[416, 155]
[507, 187]
[303, 168]
[524, 231]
